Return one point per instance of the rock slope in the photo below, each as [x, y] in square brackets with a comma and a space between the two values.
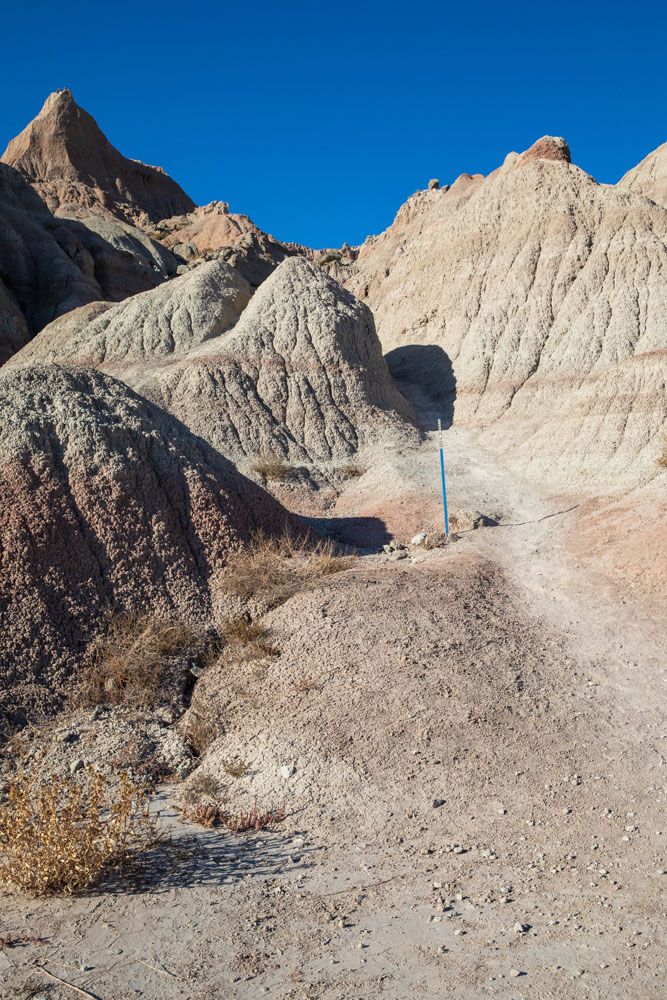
[649, 178]
[531, 302]
[300, 375]
[49, 265]
[69, 161]
[105, 502]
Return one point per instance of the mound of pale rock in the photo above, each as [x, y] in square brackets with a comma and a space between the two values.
[71, 164]
[649, 178]
[106, 503]
[300, 375]
[531, 302]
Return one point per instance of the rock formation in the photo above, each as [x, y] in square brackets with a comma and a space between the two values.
[300, 375]
[532, 303]
[106, 503]
[212, 232]
[70, 163]
[50, 265]
[649, 178]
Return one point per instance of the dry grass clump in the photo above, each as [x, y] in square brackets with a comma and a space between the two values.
[201, 786]
[662, 459]
[202, 727]
[59, 836]
[130, 661]
[273, 569]
[212, 814]
[236, 768]
[353, 471]
[271, 467]
[249, 636]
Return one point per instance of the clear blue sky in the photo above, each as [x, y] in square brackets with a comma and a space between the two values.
[318, 118]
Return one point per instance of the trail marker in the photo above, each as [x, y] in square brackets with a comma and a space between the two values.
[442, 479]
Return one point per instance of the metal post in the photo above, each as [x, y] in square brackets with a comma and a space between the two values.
[442, 479]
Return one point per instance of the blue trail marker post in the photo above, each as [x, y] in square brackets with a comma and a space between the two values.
[442, 479]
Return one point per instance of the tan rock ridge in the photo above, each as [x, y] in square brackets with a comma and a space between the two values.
[531, 303]
[75, 169]
[108, 503]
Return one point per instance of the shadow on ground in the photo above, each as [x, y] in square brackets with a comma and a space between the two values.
[425, 376]
[362, 532]
[205, 858]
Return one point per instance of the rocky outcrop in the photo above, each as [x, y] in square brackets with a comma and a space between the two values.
[70, 163]
[300, 375]
[532, 303]
[106, 502]
[212, 232]
[649, 178]
[49, 266]
[43, 272]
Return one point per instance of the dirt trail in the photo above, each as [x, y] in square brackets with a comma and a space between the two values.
[476, 785]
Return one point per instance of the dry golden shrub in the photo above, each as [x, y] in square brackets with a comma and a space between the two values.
[59, 835]
[273, 569]
[201, 786]
[130, 660]
[271, 467]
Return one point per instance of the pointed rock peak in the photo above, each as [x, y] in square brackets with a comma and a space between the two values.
[549, 147]
[68, 160]
[58, 99]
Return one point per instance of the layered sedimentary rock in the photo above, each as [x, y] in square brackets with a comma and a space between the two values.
[531, 302]
[106, 502]
[301, 374]
[71, 164]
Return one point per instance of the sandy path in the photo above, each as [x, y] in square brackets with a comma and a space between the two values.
[537, 716]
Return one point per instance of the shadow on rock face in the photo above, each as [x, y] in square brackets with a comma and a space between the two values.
[426, 378]
[361, 532]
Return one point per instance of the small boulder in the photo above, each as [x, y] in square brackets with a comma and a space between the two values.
[433, 184]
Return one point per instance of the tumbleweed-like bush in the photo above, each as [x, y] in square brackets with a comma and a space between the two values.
[59, 835]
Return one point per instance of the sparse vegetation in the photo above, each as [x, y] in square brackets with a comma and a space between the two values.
[353, 471]
[662, 458]
[236, 768]
[304, 684]
[250, 636]
[254, 819]
[130, 661]
[202, 727]
[201, 786]
[212, 814]
[270, 467]
[273, 569]
[59, 836]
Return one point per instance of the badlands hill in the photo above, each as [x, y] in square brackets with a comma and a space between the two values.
[68, 160]
[297, 371]
[107, 504]
[649, 178]
[531, 303]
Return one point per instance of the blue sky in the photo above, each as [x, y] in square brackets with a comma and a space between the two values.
[318, 119]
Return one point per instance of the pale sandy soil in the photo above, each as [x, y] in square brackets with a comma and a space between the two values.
[482, 745]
